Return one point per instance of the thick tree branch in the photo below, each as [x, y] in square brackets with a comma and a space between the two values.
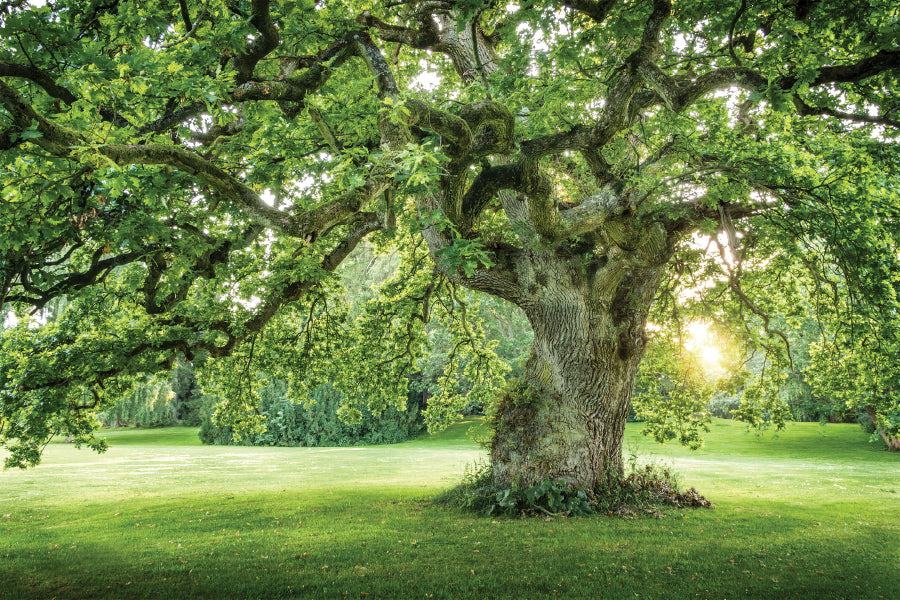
[590, 215]
[537, 148]
[39, 77]
[677, 95]
[493, 126]
[260, 46]
[596, 10]
[193, 164]
[385, 84]
[324, 129]
[54, 90]
[186, 15]
[488, 183]
[455, 129]
[424, 37]
[318, 221]
[883, 60]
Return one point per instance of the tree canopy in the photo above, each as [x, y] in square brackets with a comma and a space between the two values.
[184, 179]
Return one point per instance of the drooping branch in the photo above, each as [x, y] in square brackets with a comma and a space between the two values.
[189, 342]
[363, 224]
[734, 282]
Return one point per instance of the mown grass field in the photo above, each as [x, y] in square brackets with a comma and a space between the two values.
[811, 513]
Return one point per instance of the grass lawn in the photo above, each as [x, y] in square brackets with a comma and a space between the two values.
[813, 512]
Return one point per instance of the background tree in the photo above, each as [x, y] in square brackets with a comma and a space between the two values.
[187, 394]
[190, 176]
[151, 404]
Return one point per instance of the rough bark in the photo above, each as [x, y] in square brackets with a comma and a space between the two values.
[567, 419]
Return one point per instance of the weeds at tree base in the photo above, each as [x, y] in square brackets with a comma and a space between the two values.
[645, 491]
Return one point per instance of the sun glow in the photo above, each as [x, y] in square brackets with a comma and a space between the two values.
[703, 344]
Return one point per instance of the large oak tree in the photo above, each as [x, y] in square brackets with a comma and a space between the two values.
[187, 175]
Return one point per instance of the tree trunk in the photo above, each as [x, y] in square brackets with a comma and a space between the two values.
[893, 443]
[567, 419]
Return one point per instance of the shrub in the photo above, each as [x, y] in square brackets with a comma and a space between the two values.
[209, 432]
[315, 424]
[721, 405]
[644, 490]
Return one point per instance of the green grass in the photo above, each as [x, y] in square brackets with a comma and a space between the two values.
[811, 513]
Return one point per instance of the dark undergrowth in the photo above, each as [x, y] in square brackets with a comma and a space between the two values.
[646, 490]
